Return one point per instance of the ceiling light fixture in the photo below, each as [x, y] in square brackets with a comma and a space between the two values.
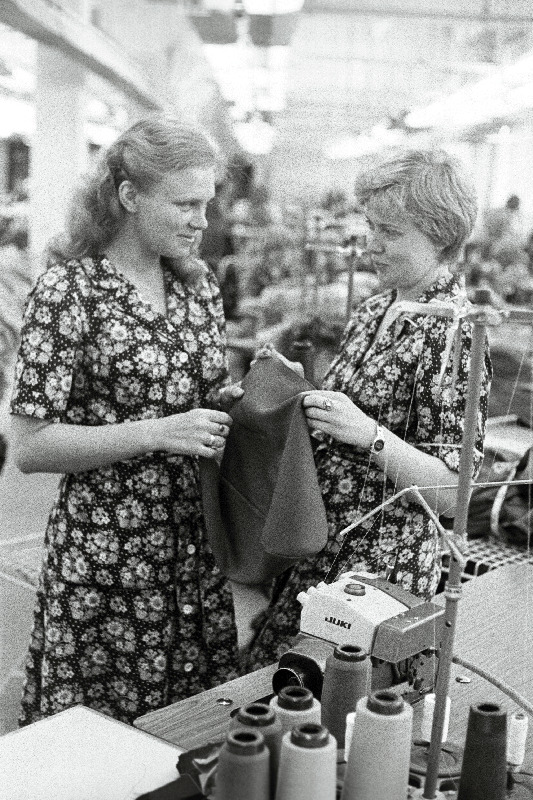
[273, 6]
[507, 91]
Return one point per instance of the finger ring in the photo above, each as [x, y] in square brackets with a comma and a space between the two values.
[222, 428]
[327, 405]
[212, 441]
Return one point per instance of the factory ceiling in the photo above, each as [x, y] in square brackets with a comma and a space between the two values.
[353, 66]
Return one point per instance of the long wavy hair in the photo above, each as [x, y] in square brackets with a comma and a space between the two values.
[143, 154]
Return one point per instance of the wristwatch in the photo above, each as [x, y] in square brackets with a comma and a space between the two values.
[378, 442]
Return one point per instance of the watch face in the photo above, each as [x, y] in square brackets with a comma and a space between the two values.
[378, 445]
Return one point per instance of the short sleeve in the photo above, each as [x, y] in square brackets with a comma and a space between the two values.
[441, 394]
[50, 344]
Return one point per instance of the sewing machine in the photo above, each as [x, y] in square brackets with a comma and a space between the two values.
[401, 633]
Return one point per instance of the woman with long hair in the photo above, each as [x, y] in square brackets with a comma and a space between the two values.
[120, 384]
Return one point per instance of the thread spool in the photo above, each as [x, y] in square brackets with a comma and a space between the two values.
[346, 680]
[303, 350]
[350, 722]
[262, 717]
[243, 769]
[427, 718]
[378, 766]
[516, 739]
[308, 764]
[295, 705]
[484, 770]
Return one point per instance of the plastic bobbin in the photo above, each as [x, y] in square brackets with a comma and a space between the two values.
[518, 723]
[427, 718]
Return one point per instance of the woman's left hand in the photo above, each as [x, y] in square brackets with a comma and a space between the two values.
[335, 414]
[228, 395]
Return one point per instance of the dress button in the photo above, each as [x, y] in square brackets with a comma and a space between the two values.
[188, 667]
[191, 549]
[187, 609]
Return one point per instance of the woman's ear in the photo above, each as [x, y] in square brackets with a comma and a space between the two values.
[127, 195]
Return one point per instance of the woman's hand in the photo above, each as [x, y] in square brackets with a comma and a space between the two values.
[199, 432]
[335, 414]
[269, 351]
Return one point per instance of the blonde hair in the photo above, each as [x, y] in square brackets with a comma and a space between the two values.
[431, 188]
[143, 154]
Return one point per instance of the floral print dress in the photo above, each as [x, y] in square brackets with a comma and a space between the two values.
[132, 613]
[407, 380]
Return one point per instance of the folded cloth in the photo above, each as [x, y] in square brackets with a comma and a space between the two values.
[263, 507]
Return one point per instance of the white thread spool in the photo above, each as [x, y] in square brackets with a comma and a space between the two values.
[295, 705]
[308, 764]
[427, 718]
[350, 721]
[262, 717]
[243, 767]
[380, 753]
[516, 738]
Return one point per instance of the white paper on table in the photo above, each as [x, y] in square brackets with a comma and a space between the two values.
[81, 754]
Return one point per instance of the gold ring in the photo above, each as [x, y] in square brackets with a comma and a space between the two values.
[222, 429]
[327, 405]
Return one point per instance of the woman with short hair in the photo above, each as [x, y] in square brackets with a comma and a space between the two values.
[119, 384]
[391, 410]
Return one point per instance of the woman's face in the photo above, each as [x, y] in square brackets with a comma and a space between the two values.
[171, 213]
[403, 257]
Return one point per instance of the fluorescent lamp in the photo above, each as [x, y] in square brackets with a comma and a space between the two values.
[508, 90]
[256, 136]
[271, 7]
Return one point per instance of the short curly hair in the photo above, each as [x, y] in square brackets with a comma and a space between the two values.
[429, 187]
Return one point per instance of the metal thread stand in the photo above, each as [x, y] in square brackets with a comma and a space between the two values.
[482, 316]
[350, 251]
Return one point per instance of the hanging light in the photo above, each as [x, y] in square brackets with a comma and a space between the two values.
[273, 6]
[507, 91]
[256, 135]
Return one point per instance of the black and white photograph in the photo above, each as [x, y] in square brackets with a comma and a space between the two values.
[266, 399]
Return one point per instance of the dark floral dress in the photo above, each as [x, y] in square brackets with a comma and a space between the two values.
[132, 613]
[407, 381]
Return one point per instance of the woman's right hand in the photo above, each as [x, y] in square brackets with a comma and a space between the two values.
[199, 432]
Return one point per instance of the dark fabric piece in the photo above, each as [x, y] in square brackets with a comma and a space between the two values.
[264, 511]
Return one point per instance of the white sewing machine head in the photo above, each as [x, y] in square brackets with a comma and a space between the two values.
[399, 631]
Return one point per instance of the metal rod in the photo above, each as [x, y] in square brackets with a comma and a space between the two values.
[351, 270]
[393, 10]
[453, 586]
[518, 315]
